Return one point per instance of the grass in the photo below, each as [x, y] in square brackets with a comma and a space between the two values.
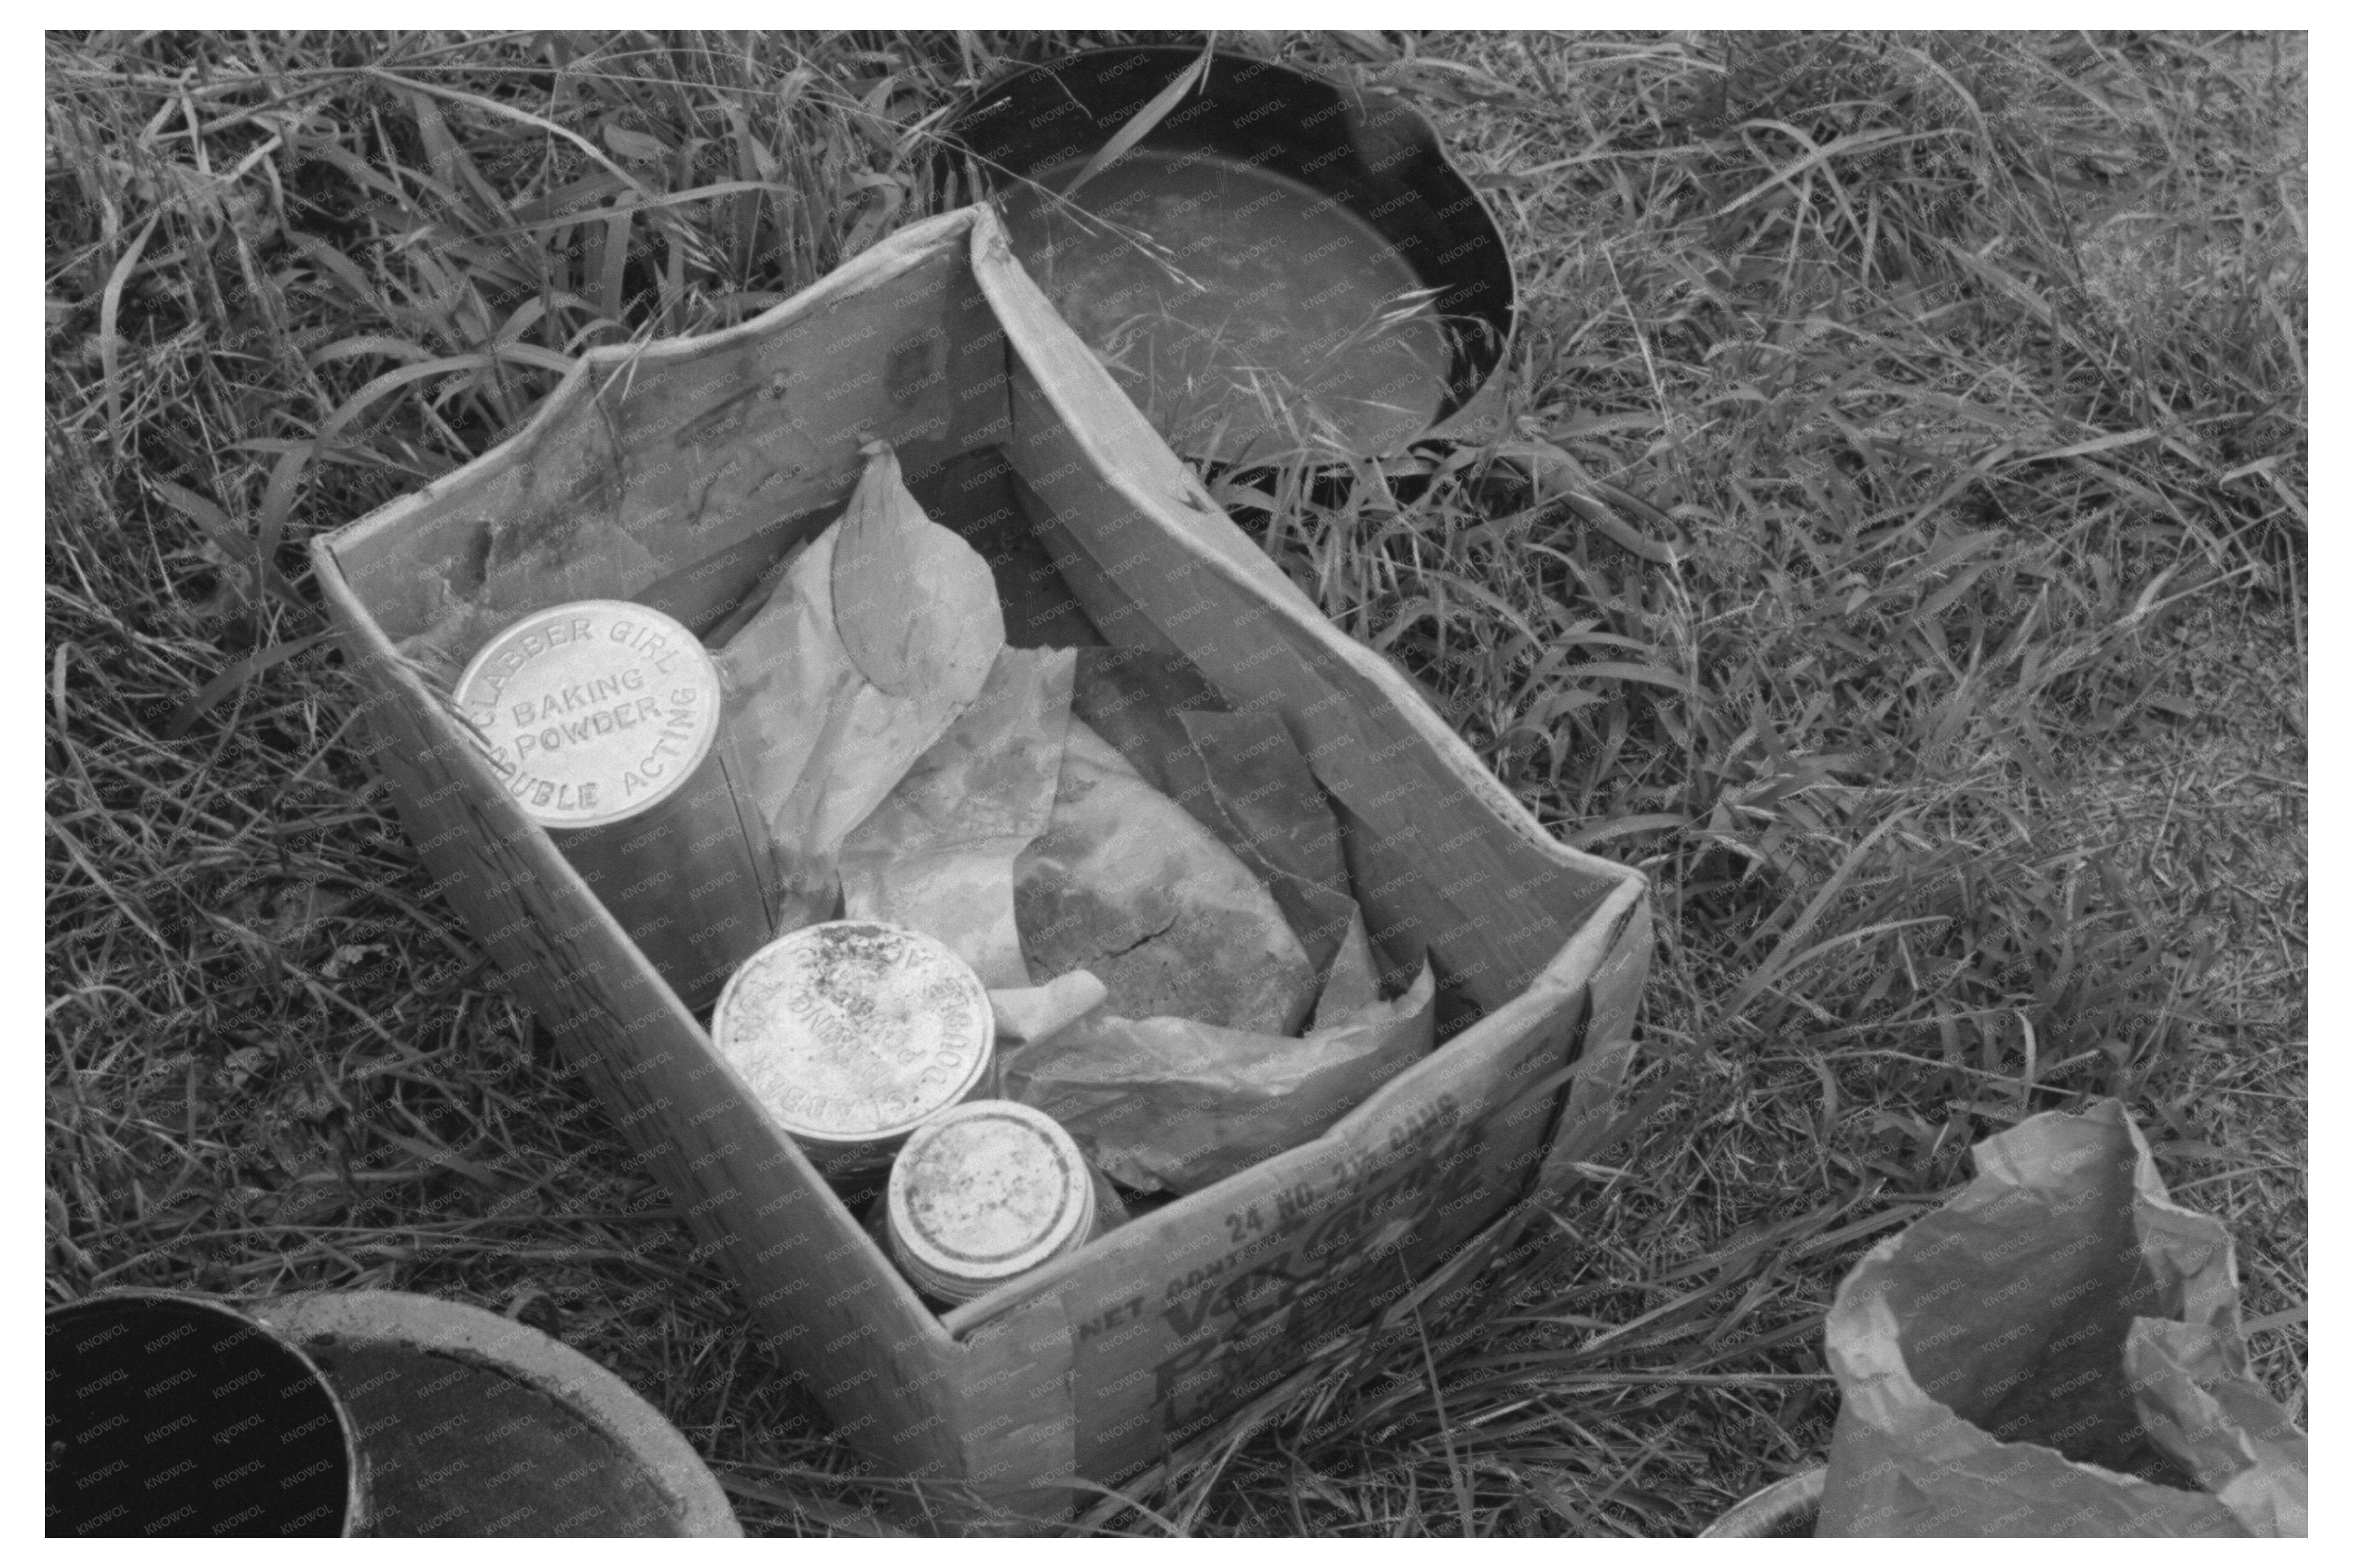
[1966, 750]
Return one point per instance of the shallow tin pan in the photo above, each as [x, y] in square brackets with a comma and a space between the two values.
[1374, 155]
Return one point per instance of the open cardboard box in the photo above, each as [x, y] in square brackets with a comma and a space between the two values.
[676, 474]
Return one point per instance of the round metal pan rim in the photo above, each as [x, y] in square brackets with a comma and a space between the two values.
[1474, 368]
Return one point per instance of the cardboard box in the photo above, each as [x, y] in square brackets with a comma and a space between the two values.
[674, 474]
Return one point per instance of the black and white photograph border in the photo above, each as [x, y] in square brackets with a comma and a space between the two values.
[1596, 742]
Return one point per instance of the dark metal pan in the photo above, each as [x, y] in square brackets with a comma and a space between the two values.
[1274, 233]
[1282, 266]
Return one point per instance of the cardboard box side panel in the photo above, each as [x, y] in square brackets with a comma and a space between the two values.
[1118, 619]
[1276, 1358]
[1279, 1251]
[1401, 1222]
[1419, 1187]
[1120, 442]
[1570, 975]
[803, 1263]
[664, 471]
[403, 527]
[1091, 415]
[418, 528]
[1615, 986]
[1014, 1413]
[1492, 907]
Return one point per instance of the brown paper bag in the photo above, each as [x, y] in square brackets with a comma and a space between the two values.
[2056, 1351]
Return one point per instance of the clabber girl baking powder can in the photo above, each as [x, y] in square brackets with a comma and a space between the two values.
[603, 719]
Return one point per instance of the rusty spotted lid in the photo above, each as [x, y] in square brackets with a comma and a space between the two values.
[983, 1193]
[852, 1032]
[593, 711]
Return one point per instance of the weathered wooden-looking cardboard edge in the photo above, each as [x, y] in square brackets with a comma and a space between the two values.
[1140, 466]
[909, 247]
[1023, 1382]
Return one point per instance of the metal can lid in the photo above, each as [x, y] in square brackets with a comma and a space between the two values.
[984, 1192]
[854, 1031]
[593, 711]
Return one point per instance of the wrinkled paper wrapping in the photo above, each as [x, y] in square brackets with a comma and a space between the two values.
[1239, 774]
[1171, 1104]
[2056, 1351]
[911, 767]
[938, 853]
[1125, 883]
[881, 632]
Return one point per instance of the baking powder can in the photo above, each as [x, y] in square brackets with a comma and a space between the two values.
[852, 1033]
[603, 720]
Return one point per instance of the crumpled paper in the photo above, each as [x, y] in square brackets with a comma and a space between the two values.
[937, 854]
[1168, 1104]
[911, 767]
[1172, 1104]
[1125, 884]
[881, 632]
[2056, 1352]
[1239, 774]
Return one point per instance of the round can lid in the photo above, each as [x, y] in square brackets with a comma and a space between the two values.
[854, 1031]
[593, 711]
[984, 1192]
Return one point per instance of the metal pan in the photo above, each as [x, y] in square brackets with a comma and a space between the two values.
[1260, 191]
[1276, 237]
[349, 1414]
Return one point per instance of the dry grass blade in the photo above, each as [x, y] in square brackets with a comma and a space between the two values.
[110, 343]
[507, 111]
[231, 540]
[1142, 123]
[1785, 956]
[1445, 1431]
[183, 718]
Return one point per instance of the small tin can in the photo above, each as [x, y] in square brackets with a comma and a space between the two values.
[987, 1192]
[603, 719]
[852, 1033]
